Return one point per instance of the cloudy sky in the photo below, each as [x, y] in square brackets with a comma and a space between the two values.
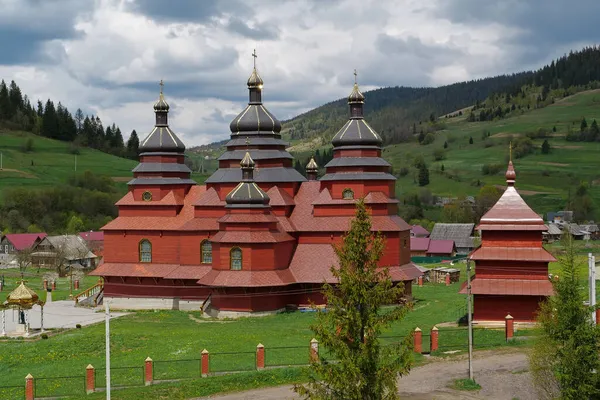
[107, 56]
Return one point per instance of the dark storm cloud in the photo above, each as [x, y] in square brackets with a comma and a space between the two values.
[26, 29]
[182, 11]
[547, 27]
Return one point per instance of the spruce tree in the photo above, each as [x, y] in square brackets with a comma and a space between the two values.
[445, 145]
[545, 147]
[565, 356]
[350, 327]
[133, 143]
[583, 125]
[423, 175]
[471, 140]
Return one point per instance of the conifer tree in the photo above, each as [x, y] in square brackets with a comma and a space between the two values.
[133, 143]
[583, 125]
[350, 327]
[423, 175]
[545, 147]
[471, 140]
[565, 356]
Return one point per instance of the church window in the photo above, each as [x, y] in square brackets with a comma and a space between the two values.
[348, 194]
[206, 248]
[145, 251]
[147, 196]
[236, 259]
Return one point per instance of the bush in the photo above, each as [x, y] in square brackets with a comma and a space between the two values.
[439, 154]
[74, 149]
[27, 146]
[78, 326]
[488, 143]
[429, 138]
[491, 169]
[403, 171]
[44, 336]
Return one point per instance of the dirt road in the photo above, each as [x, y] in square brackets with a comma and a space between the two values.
[502, 374]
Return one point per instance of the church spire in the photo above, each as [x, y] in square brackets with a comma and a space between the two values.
[161, 108]
[255, 84]
[356, 100]
[312, 169]
[247, 194]
[511, 175]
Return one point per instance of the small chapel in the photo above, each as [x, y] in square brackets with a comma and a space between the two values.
[258, 236]
[511, 265]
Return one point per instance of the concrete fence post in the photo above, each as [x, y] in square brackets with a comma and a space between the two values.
[260, 356]
[76, 284]
[29, 389]
[418, 340]
[447, 279]
[45, 284]
[509, 327]
[90, 379]
[204, 363]
[420, 280]
[53, 285]
[148, 371]
[314, 350]
[434, 339]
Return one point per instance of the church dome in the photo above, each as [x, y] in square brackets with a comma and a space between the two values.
[356, 95]
[255, 81]
[247, 193]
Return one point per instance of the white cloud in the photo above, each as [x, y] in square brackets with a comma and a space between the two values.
[109, 59]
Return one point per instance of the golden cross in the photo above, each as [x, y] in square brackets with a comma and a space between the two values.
[510, 150]
[355, 74]
[161, 85]
[254, 55]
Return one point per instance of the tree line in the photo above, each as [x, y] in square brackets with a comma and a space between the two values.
[55, 121]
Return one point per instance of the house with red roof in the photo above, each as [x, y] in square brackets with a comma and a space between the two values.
[418, 231]
[426, 247]
[511, 265]
[258, 235]
[13, 243]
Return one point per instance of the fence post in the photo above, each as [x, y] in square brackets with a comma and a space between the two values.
[148, 371]
[314, 350]
[420, 281]
[76, 284]
[509, 327]
[434, 339]
[204, 364]
[447, 279]
[45, 284]
[90, 379]
[418, 340]
[598, 316]
[29, 391]
[53, 285]
[260, 356]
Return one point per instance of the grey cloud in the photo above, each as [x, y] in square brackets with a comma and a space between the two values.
[197, 11]
[262, 32]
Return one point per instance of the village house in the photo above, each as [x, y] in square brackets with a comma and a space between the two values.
[63, 251]
[94, 241]
[426, 247]
[461, 234]
[418, 231]
[13, 243]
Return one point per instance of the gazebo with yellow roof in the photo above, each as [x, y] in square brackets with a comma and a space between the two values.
[23, 298]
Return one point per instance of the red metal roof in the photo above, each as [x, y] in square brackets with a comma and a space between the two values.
[419, 244]
[21, 241]
[324, 198]
[511, 209]
[312, 264]
[189, 272]
[251, 237]
[160, 223]
[140, 270]
[210, 198]
[303, 219]
[92, 236]
[228, 278]
[418, 230]
[279, 197]
[440, 246]
[512, 254]
[517, 287]
[248, 218]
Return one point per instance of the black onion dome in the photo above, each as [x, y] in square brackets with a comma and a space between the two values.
[255, 119]
[161, 105]
[356, 132]
[162, 139]
[356, 95]
[255, 81]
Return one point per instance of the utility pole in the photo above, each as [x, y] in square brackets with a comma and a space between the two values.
[592, 283]
[75, 162]
[1, 162]
[107, 323]
[469, 321]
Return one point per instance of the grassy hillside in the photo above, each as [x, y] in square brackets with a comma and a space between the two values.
[51, 162]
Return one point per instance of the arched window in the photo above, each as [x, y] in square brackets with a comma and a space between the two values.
[145, 251]
[235, 262]
[206, 249]
[347, 194]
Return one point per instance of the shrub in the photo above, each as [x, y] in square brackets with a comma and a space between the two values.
[429, 138]
[78, 326]
[491, 169]
[488, 143]
[439, 154]
[44, 336]
[403, 171]
[27, 146]
[74, 149]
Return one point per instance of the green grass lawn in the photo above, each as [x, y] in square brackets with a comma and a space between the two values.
[35, 280]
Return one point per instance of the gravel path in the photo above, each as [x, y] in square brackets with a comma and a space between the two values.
[502, 374]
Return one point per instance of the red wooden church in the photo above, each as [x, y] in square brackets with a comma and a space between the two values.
[258, 235]
[511, 265]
